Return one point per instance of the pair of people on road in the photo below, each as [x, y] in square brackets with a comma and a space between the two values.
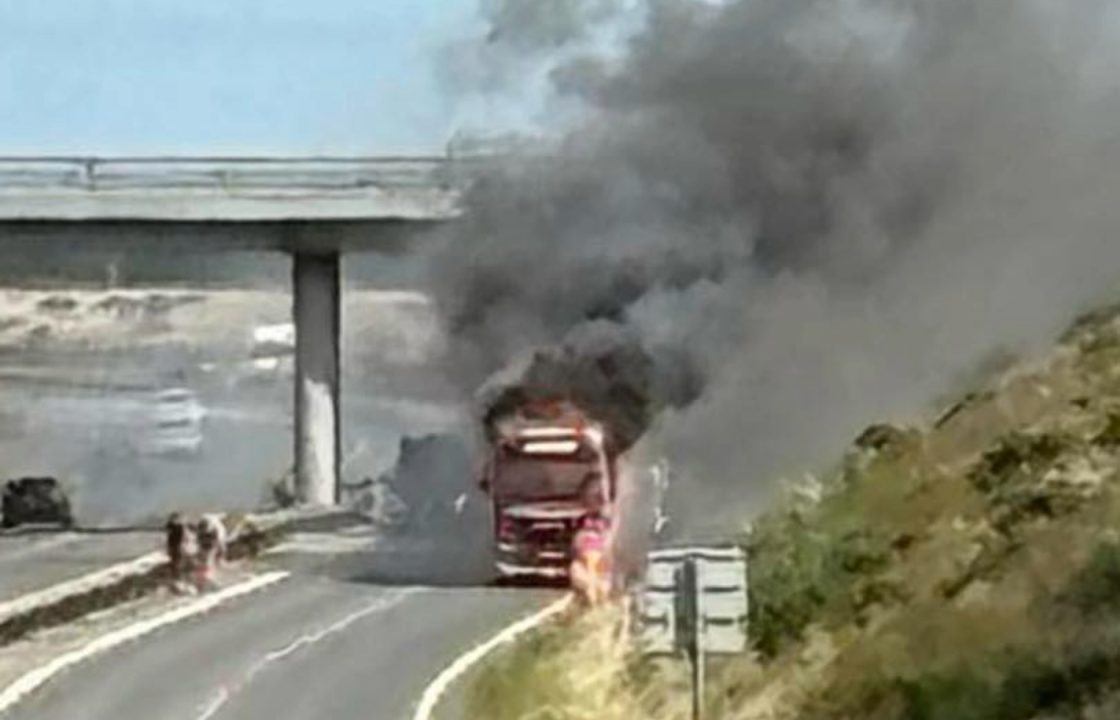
[195, 551]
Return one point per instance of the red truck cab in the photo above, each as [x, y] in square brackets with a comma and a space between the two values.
[544, 475]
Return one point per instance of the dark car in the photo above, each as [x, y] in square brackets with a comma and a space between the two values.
[35, 500]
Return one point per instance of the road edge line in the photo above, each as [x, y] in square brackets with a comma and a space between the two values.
[92, 580]
[37, 598]
[435, 690]
[33, 679]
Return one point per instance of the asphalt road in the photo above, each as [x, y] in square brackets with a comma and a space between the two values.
[349, 635]
[32, 560]
[332, 641]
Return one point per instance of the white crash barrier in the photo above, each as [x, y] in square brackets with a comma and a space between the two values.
[720, 603]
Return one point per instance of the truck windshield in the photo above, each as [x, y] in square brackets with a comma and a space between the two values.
[519, 477]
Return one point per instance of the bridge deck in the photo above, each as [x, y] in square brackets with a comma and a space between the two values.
[229, 189]
[314, 208]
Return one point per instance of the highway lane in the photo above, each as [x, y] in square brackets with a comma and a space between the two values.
[318, 645]
[309, 648]
[34, 560]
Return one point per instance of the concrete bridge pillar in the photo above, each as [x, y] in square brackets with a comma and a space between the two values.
[317, 316]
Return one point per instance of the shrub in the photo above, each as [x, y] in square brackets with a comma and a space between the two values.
[799, 572]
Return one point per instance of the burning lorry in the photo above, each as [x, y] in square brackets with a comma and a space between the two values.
[549, 466]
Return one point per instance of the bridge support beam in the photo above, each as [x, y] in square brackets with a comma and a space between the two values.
[317, 315]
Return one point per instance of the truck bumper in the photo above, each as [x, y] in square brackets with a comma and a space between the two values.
[510, 570]
[518, 560]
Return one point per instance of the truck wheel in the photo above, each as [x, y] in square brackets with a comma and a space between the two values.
[499, 578]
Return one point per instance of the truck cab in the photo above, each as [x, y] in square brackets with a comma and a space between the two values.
[543, 478]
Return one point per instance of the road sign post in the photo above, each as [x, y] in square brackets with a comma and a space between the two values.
[695, 601]
[689, 619]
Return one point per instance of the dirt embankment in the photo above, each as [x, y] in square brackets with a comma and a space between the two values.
[397, 328]
[963, 570]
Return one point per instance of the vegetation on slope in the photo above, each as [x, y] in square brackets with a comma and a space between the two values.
[966, 571]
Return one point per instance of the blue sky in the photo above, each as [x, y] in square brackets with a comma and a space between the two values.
[225, 76]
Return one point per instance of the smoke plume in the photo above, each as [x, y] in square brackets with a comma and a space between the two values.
[601, 367]
[821, 212]
[520, 37]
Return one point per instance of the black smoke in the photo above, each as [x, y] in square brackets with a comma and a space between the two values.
[823, 211]
[605, 371]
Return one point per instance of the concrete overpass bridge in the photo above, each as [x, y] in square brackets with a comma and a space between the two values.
[314, 209]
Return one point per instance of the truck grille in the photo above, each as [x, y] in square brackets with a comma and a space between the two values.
[540, 542]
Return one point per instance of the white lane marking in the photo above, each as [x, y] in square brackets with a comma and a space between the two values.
[85, 583]
[33, 679]
[225, 693]
[36, 546]
[312, 544]
[434, 692]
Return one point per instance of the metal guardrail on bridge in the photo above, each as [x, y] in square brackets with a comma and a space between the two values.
[230, 174]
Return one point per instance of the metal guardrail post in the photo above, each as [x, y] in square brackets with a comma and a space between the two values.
[689, 626]
[90, 168]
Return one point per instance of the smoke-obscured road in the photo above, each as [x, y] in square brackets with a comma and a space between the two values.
[360, 627]
[91, 438]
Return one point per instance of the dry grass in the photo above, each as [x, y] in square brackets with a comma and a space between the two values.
[576, 668]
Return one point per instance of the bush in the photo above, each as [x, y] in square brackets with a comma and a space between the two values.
[1034, 682]
[799, 573]
[1095, 590]
[1015, 460]
[959, 696]
[1028, 687]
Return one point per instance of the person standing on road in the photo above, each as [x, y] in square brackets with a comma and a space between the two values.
[211, 533]
[178, 536]
[176, 531]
